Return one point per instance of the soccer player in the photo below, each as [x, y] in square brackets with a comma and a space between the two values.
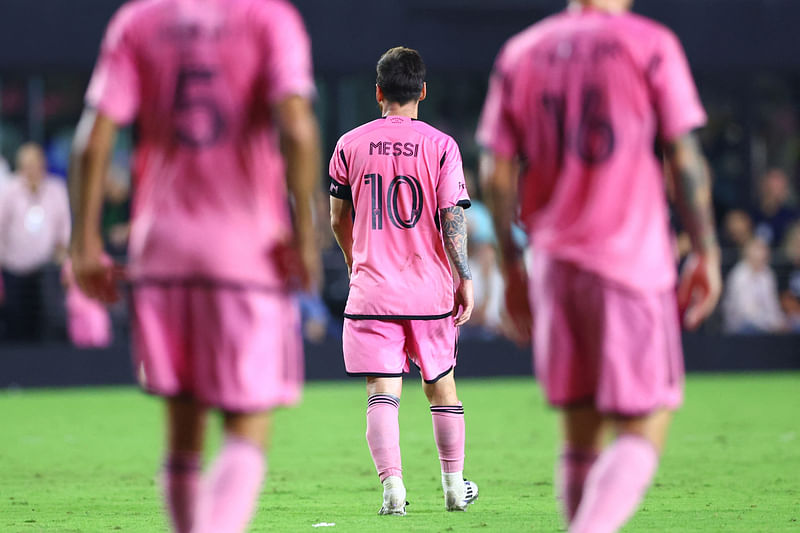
[405, 182]
[575, 106]
[217, 88]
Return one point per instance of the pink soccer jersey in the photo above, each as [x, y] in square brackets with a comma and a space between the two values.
[399, 172]
[200, 78]
[581, 98]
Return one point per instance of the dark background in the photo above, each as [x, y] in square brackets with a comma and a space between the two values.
[461, 35]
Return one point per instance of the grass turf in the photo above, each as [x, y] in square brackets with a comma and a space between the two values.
[86, 459]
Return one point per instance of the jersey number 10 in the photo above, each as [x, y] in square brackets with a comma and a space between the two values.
[375, 181]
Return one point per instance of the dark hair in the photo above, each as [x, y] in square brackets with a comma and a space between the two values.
[401, 73]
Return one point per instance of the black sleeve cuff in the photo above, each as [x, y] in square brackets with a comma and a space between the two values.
[342, 192]
[465, 204]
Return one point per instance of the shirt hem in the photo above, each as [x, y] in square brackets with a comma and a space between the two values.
[352, 316]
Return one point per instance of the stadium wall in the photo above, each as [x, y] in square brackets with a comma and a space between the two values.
[59, 365]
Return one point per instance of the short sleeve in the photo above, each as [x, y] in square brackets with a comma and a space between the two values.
[114, 87]
[495, 129]
[451, 189]
[339, 173]
[675, 95]
[289, 66]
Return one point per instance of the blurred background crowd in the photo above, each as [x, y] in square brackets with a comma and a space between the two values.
[752, 141]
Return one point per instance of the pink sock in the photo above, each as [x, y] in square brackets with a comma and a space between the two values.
[231, 488]
[383, 434]
[615, 486]
[181, 485]
[573, 467]
[449, 433]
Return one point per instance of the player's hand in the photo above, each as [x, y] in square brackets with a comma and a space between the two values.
[518, 302]
[96, 275]
[311, 265]
[464, 300]
[299, 264]
[700, 288]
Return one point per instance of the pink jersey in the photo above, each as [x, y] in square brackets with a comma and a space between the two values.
[200, 78]
[582, 97]
[399, 172]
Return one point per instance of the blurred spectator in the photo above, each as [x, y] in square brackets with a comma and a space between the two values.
[751, 303]
[5, 173]
[88, 321]
[34, 230]
[487, 280]
[116, 211]
[790, 283]
[737, 229]
[774, 215]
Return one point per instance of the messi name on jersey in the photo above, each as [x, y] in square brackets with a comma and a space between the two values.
[395, 149]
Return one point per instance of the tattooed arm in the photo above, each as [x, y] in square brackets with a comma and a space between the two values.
[701, 282]
[454, 231]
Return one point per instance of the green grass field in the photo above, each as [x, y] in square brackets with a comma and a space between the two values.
[86, 460]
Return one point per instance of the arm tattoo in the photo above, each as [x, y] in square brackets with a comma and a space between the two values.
[693, 192]
[454, 230]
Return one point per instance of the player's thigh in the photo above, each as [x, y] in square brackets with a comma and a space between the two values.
[567, 303]
[642, 360]
[246, 348]
[159, 329]
[432, 345]
[374, 348]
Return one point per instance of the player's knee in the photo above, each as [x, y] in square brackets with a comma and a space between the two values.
[382, 385]
[251, 427]
[442, 392]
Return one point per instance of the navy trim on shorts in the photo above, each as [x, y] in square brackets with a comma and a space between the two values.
[373, 375]
[440, 376]
[397, 317]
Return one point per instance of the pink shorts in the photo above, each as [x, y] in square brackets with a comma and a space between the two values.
[383, 348]
[237, 350]
[598, 342]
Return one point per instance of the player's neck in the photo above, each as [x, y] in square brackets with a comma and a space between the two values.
[409, 110]
[611, 6]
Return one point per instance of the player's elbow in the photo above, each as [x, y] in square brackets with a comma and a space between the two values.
[298, 127]
[337, 221]
[300, 134]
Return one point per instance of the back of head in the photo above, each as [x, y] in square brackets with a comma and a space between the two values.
[401, 73]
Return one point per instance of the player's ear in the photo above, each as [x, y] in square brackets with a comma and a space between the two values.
[378, 95]
[424, 91]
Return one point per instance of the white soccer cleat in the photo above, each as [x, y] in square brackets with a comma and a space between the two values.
[394, 497]
[458, 500]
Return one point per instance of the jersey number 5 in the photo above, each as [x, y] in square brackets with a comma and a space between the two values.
[199, 120]
[375, 181]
